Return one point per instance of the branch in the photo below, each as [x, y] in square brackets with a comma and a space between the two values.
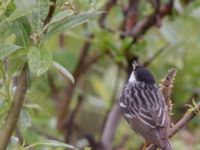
[110, 128]
[107, 7]
[143, 25]
[53, 89]
[71, 120]
[148, 62]
[85, 61]
[51, 11]
[132, 14]
[14, 111]
[189, 115]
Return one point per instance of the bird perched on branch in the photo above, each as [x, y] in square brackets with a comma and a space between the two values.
[144, 108]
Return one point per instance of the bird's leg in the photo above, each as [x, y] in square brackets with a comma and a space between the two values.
[144, 146]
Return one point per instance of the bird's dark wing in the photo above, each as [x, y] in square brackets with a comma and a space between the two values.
[143, 106]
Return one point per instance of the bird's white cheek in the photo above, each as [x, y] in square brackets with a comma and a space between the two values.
[132, 78]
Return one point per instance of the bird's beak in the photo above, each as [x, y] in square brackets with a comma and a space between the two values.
[134, 64]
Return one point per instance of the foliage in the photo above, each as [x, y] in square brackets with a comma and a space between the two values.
[49, 48]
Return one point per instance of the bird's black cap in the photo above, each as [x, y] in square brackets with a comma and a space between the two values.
[142, 74]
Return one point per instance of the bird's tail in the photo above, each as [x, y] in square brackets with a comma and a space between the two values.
[168, 146]
[165, 146]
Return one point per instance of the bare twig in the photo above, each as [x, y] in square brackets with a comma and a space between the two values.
[70, 122]
[14, 111]
[53, 89]
[132, 13]
[189, 115]
[64, 105]
[107, 7]
[113, 99]
[149, 61]
[110, 128]
[51, 12]
[143, 25]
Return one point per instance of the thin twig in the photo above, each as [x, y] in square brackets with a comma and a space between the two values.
[149, 61]
[51, 12]
[69, 125]
[15, 109]
[189, 115]
[107, 7]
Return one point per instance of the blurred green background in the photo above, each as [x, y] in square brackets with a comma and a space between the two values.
[100, 81]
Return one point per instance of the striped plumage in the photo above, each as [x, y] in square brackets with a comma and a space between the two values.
[144, 108]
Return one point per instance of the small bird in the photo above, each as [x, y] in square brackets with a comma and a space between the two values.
[144, 108]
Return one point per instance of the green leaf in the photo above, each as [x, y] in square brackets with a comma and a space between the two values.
[19, 12]
[61, 15]
[51, 143]
[13, 141]
[71, 22]
[24, 119]
[34, 59]
[6, 50]
[32, 107]
[21, 28]
[64, 71]
[45, 61]
[39, 15]
[24, 122]
[39, 60]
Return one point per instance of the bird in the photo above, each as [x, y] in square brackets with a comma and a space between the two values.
[144, 108]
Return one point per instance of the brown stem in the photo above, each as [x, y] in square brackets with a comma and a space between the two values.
[51, 11]
[132, 13]
[107, 7]
[113, 99]
[53, 89]
[148, 62]
[71, 119]
[143, 25]
[68, 93]
[110, 128]
[189, 115]
[15, 109]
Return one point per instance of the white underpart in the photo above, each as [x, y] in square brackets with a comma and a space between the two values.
[159, 112]
[132, 77]
[122, 105]
[128, 116]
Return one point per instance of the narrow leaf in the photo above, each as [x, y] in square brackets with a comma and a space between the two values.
[24, 119]
[52, 143]
[21, 28]
[40, 12]
[64, 71]
[13, 141]
[61, 15]
[19, 12]
[33, 107]
[34, 59]
[6, 49]
[71, 22]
